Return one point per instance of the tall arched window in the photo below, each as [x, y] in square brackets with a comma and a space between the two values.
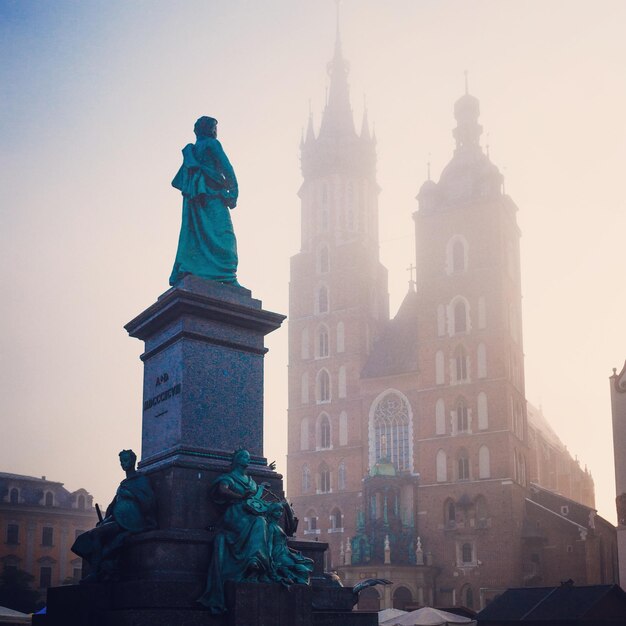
[14, 496]
[336, 519]
[462, 417]
[391, 421]
[304, 434]
[306, 479]
[311, 522]
[463, 467]
[460, 317]
[449, 514]
[341, 476]
[458, 257]
[322, 344]
[324, 478]
[442, 466]
[323, 386]
[460, 364]
[467, 553]
[341, 337]
[322, 299]
[439, 368]
[483, 413]
[440, 417]
[341, 382]
[484, 468]
[343, 429]
[481, 358]
[324, 432]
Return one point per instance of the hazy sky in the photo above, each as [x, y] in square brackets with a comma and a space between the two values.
[98, 99]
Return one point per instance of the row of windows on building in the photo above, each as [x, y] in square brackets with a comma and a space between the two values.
[322, 343]
[391, 424]
[47, 534]
[460, 365]
[323, 386]
[313, 523]
[323, 480]
[460, 467]
[45, 572]
[47, 499]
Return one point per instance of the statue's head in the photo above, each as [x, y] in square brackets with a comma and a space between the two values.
[206, 127]
[128, 459]
[241, 457]
[275, 510]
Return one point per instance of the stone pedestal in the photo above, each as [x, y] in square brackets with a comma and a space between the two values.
[203, 372]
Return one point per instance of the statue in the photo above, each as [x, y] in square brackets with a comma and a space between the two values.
[249, 544]
[207, 245]
[290, 566]
[131, 511]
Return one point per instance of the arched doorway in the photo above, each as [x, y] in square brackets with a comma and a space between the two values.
[401, 597]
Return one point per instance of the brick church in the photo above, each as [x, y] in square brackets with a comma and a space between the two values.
[412, 450]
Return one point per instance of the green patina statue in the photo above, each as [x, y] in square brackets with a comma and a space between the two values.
[207, 245]
[131, 511]
[249, 545]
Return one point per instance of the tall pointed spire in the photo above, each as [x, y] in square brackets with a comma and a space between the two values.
[337, 119]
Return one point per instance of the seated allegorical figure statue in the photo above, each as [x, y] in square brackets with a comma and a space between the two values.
[289, 564]
[132, 511]
[248, 539]
[207, 246]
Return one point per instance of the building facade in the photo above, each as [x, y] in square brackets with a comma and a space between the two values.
[39, 521]
[429, 405]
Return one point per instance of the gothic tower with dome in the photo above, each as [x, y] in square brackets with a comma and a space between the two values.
[412, 449]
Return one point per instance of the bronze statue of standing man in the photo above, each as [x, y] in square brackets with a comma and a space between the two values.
[207, 246]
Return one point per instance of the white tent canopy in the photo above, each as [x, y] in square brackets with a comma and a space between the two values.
[427, 616]
[387, 614]
[9, 616]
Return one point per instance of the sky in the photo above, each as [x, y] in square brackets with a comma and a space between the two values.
[97, 99]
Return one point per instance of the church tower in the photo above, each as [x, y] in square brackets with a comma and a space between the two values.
[471, 435]
[338, 301]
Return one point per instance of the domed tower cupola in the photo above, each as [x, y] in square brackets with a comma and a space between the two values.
[427, 196]
[466, 112]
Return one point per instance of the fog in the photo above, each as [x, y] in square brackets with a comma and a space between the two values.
[98, 99]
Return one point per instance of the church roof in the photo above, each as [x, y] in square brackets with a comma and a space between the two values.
[395, 352]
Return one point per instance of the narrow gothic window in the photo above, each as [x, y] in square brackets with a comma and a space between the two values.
[449, 513]
[466, 553]
[336, 519]
[322, 300]
[341, 476]
[323, 386]
[458, 257]
[463, 466]
[462, 418]
[391, 431]
[343, 429]
[322, 342]
[442, 467]
[460, 363]
[324, 478]
[460, 317]
[324, 430]
[340, 337]
[306, 479]
[304, 434]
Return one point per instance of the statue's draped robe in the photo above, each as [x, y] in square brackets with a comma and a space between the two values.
[241, 547]
[207, 245]
[131, 511]
[290, 565]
